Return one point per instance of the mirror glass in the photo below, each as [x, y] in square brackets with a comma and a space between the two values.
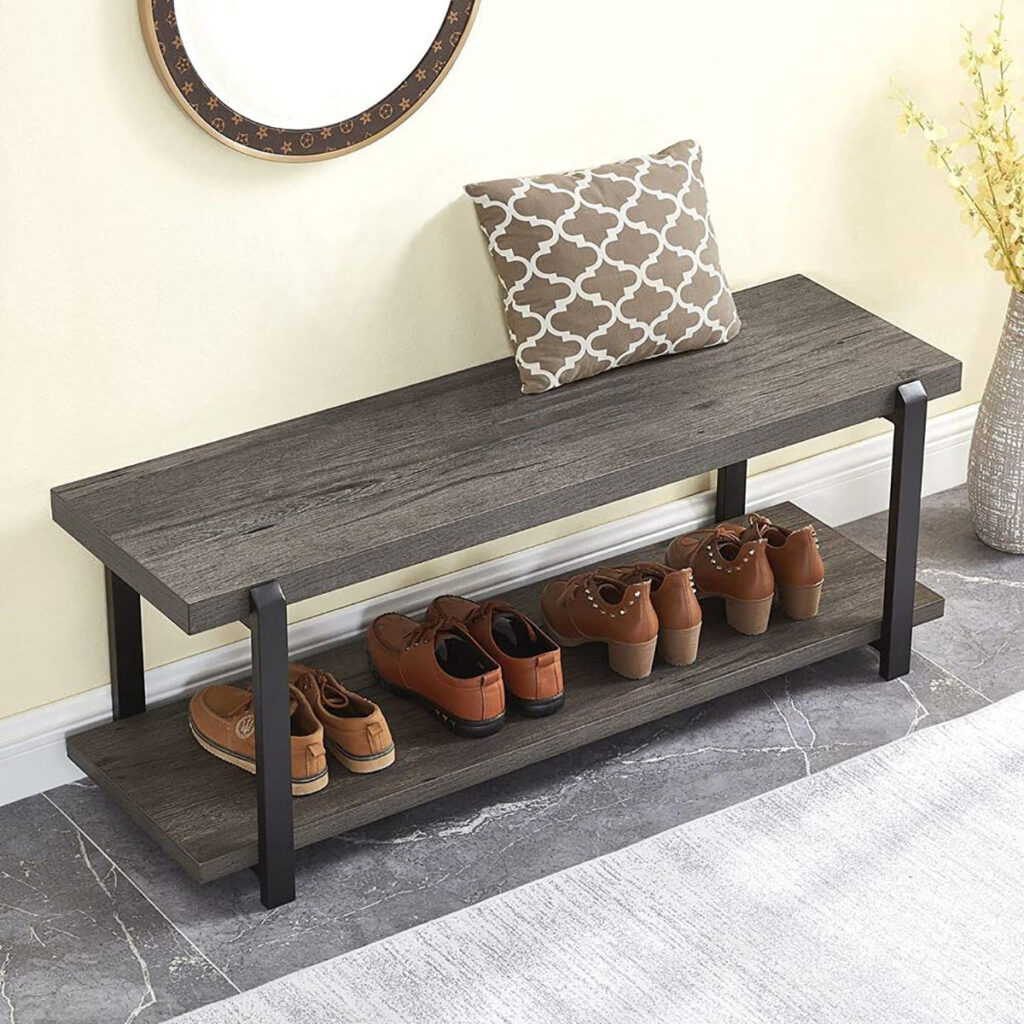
[299, 63]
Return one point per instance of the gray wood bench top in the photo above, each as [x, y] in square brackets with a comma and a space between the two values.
[372, 486]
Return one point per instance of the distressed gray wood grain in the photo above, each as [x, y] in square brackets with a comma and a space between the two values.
[209, 824]
[366, 488]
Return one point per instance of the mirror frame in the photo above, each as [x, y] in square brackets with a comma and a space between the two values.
[295, 145]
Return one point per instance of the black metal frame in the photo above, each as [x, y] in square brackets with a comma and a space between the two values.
[904, 526]
[268, 626]
[731, 496]
[124, 645]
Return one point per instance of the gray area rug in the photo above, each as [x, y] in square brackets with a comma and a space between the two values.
[889, 888]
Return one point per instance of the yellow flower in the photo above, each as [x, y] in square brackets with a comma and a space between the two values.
[984, 165]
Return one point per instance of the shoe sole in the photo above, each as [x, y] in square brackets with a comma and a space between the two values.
[300, 787]
[460, 726]
[361, 764]
[535, 708]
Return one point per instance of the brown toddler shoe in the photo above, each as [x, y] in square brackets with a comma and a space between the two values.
[596, 608]
[730, 567]
[531, 662]
[355, 730]
[674, 597]
[442, 666]
[221, 719]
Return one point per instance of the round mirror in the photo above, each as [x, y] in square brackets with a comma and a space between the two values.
[302, 79]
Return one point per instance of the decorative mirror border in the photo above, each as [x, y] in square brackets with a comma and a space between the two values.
[210, 112]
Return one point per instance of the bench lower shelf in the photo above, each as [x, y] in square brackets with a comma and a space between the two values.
[203, 811]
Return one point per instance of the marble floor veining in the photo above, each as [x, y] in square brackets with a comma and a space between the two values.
[97, 925]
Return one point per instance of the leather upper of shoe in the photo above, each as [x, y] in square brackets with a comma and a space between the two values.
[724, 564]
[224, 715]
[793, 554]
[673, 592]
[531, 662]
[440, 661]
[355, 724]
[595, 606]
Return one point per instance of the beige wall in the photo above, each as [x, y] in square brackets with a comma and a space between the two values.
[158, 290]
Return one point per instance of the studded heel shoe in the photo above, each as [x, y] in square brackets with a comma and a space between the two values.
[595, 608]
[795, 560]
[674, 596]
[730, 567]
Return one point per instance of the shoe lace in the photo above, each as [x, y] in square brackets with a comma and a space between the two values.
[428, 630]
[490, 609]
[584, 581]
[759, 523]
[722, 536]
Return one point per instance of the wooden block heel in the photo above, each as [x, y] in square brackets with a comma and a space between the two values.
[634, 661]
[679, 646]
[800, 602]
[749, 617]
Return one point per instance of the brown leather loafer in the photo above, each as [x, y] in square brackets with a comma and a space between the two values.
[595, 608]
[796, 563]
[674, 596]
[441, 665]
[730, 567]
[221, 720]
[531, 662]
[355, 730]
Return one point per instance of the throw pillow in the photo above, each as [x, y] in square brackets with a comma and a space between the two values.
[607, 266]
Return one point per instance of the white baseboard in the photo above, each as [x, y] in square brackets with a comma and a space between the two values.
[837, 487]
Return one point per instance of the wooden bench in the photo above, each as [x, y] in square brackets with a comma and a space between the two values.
[236, 529]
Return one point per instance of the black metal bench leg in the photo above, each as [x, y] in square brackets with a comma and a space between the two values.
[904, 524]
[269, 626]
[731, 499]
[124, 643]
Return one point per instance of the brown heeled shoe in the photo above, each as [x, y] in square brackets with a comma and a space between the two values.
[795, 561]
[595, 608]
[674, 596]
[730, 567]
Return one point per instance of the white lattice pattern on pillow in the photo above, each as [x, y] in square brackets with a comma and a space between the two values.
[606, 266]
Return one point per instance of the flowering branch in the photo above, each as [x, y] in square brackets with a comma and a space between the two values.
[984, 166]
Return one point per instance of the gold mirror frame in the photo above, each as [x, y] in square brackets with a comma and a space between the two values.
[293, 145]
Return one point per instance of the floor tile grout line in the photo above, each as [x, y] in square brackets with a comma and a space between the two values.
[963, 682]
[131, 881]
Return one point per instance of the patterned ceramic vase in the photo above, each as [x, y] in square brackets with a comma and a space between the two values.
[995, 475]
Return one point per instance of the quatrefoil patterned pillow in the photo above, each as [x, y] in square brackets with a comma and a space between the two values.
[607, 266]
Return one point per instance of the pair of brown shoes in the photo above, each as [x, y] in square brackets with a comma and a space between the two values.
[636, 610]
[747, 564]
[466, 659]
[324, 716]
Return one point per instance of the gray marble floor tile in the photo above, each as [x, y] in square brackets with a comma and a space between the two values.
[458, 850]
[78, 941]
[981, 637]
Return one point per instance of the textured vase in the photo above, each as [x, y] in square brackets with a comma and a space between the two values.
[995, 475]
